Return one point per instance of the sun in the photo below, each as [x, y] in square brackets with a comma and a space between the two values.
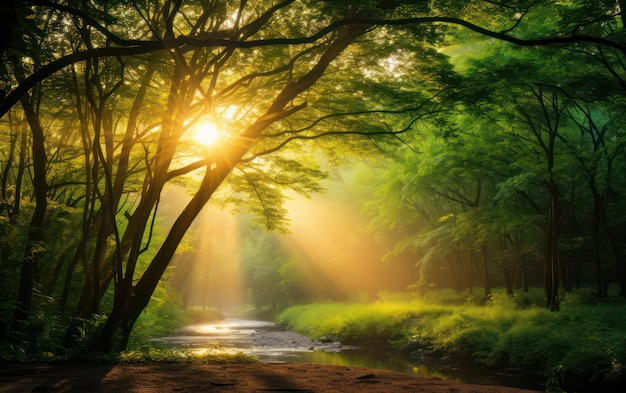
[208, 134]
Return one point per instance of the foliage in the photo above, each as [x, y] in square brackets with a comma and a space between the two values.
[262, 257]
[292, 282]
[359, 322]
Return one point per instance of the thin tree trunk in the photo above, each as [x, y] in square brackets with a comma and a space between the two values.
[551, 268]
[508, 280]
[485, 270]
[130, 301]
[36, 227]
[524, 274]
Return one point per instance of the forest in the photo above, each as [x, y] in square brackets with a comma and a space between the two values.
[163, 155]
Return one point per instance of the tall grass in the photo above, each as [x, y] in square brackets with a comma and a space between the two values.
[585, 339]
[355, 322]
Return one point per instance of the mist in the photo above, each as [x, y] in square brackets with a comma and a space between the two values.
[227, 263]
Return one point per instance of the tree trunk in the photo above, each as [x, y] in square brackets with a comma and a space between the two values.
[485, 270]
[524, 273]
[551, 265]
[56, 273]
[508, 280]
[99, 273]
[36, 227]
[130, 302]
[616, 241]
[566, 281]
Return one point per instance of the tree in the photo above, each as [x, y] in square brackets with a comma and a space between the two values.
[262, 257]
[543, 118]
[597, 151]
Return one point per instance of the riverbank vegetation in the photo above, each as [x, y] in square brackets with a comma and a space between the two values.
[160, 355]
[584, 340]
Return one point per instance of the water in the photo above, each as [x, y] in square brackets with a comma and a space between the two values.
[271, 345]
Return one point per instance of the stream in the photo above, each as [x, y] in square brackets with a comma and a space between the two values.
[271, 344]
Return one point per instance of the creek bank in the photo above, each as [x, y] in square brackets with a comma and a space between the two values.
[275, 344]
[262, 339]
[258, 336]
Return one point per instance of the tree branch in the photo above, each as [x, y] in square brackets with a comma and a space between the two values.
[87, 19]
[332, 133]
[183, 42]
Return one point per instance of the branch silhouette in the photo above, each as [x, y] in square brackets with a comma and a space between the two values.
[219, 39]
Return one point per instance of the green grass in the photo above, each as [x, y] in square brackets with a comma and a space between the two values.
[585, 338]
[356, 322]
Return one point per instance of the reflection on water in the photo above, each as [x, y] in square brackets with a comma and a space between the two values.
[386, 360]
[271, 345]
[226, 325]
[380, 360]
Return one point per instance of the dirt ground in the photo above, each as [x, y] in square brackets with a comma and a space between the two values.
[248, 378]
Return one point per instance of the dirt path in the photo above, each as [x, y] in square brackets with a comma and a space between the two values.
[244, 378]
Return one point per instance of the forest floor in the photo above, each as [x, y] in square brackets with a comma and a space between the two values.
[245, 378]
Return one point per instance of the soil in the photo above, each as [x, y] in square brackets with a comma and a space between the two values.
[245, 378]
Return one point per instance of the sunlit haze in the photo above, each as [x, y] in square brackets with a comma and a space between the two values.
[328, 244]
[331, 242]
[205, 269]
[207, 134]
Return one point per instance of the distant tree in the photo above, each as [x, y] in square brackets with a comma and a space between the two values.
[262, 257]
[538, 107]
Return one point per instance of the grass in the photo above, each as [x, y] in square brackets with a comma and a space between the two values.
[181, 356]
[585, 338]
